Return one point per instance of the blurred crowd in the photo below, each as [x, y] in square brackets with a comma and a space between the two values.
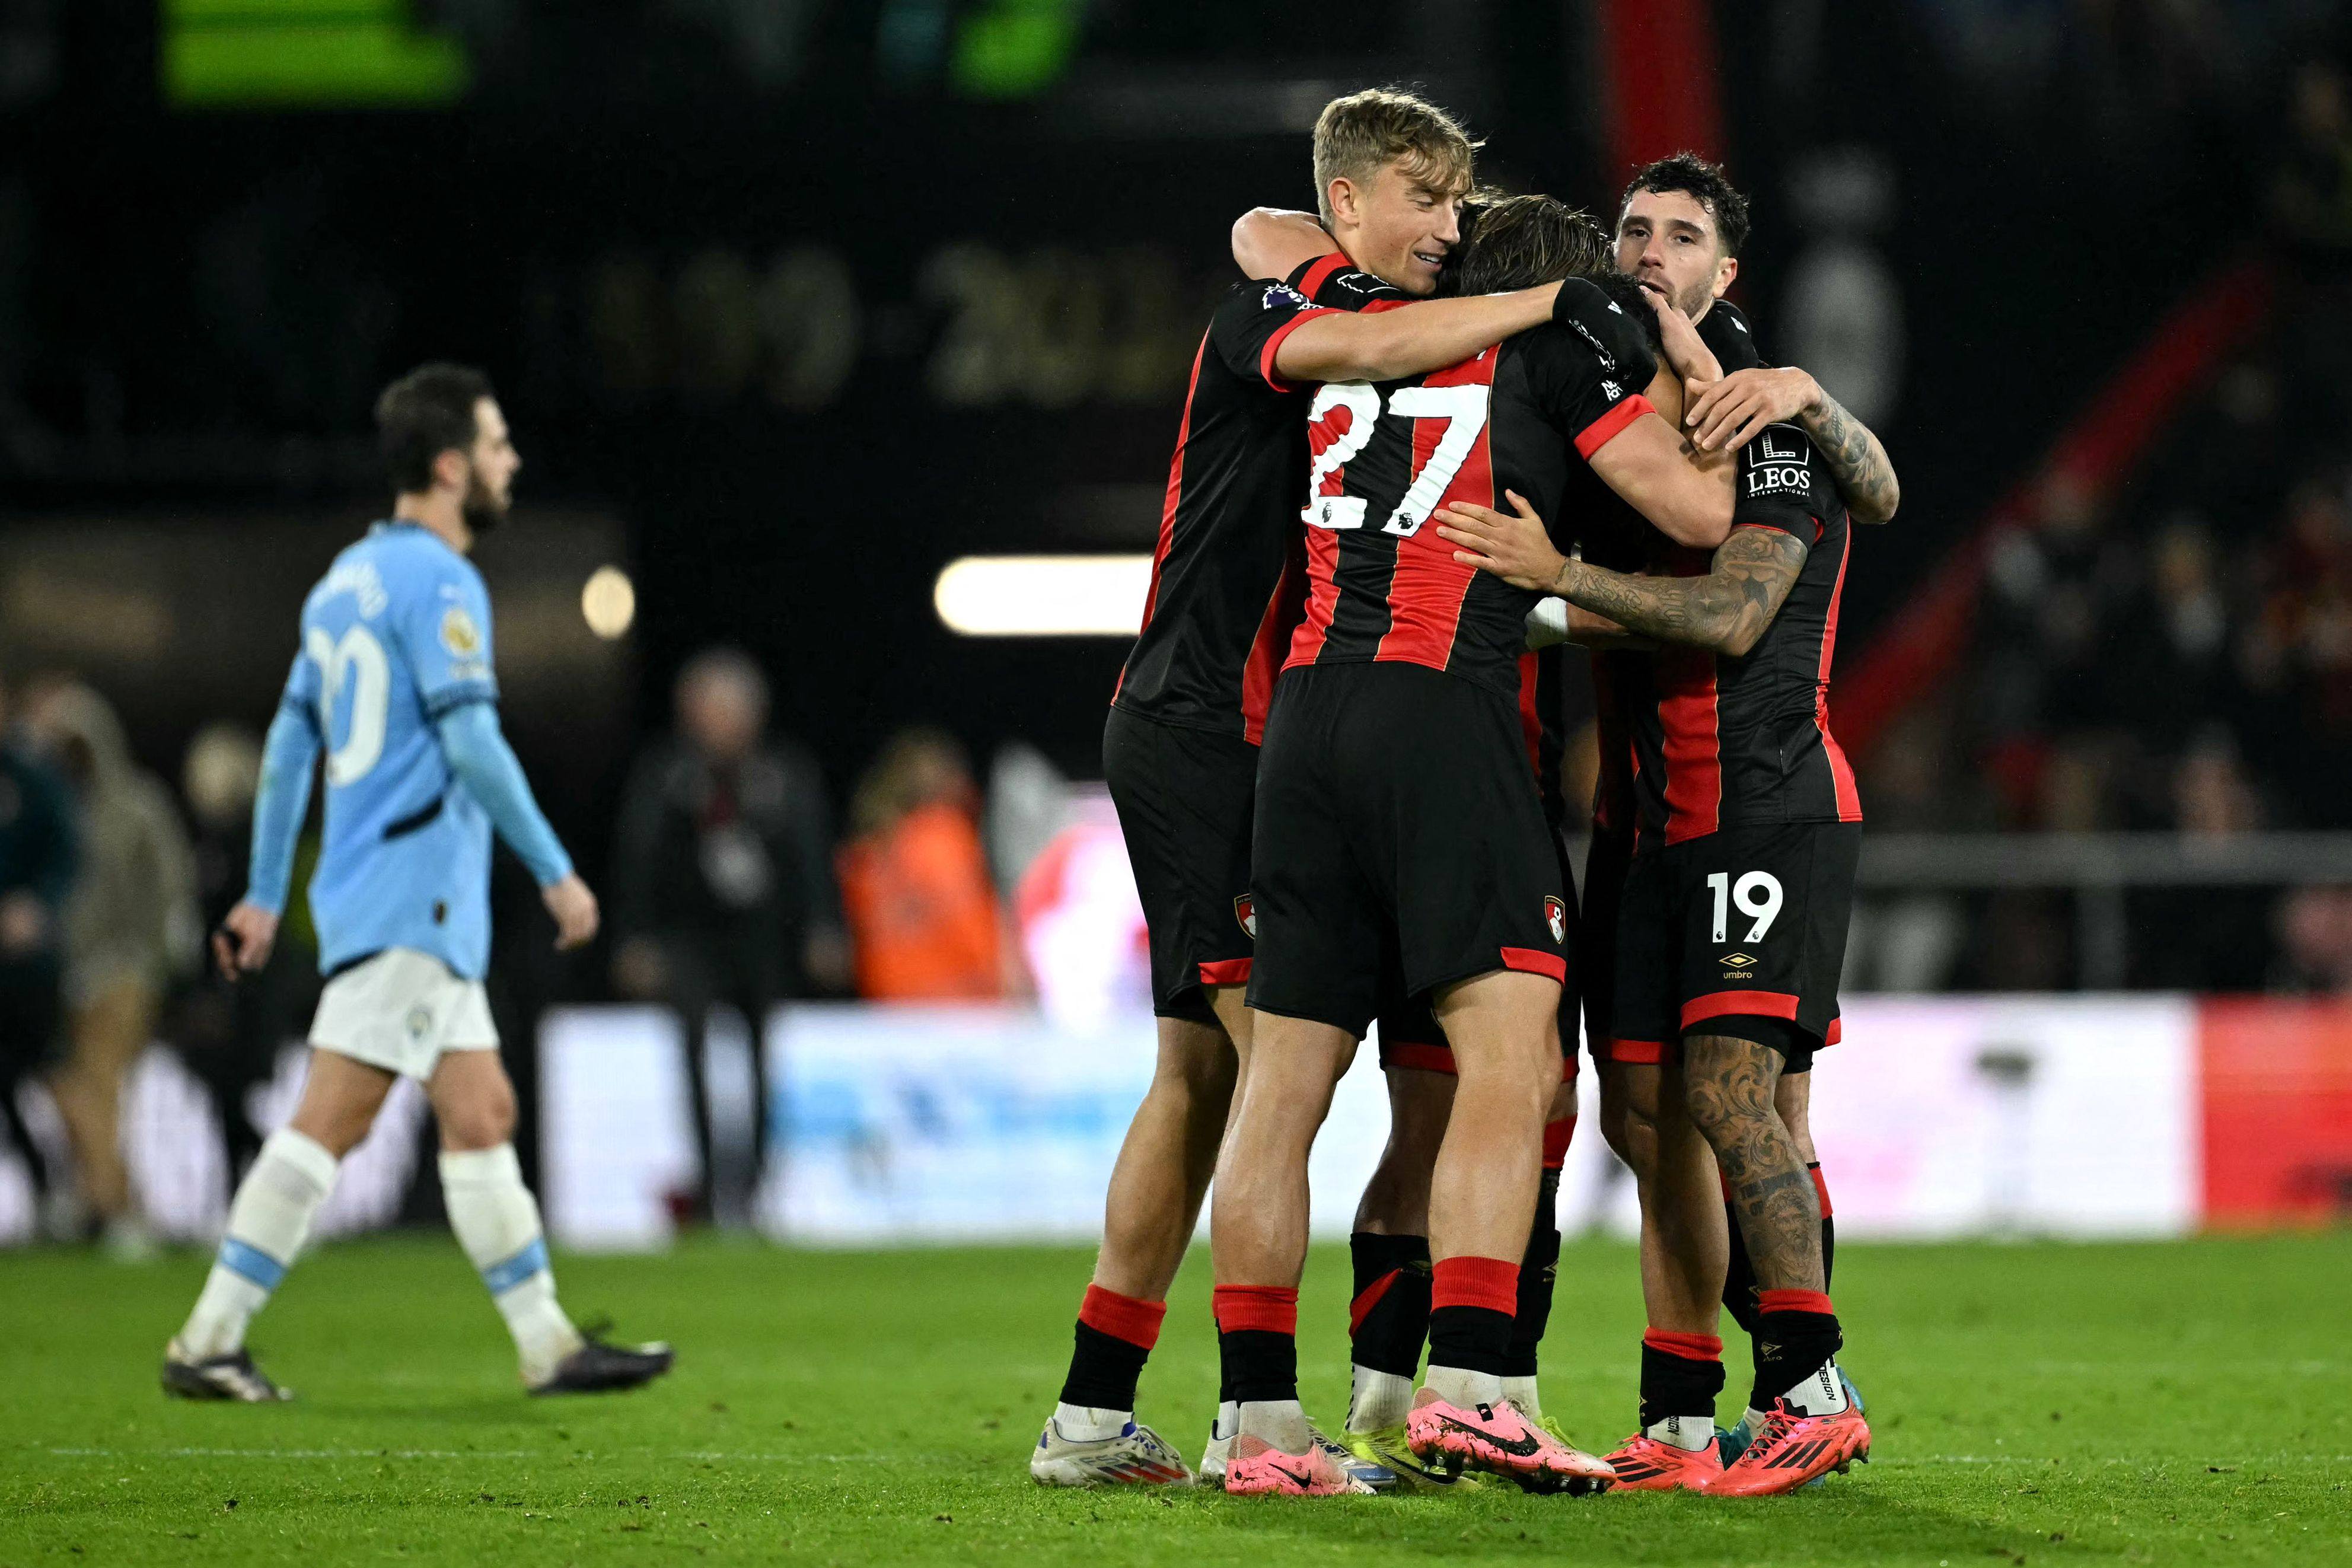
[726, 886]
[2178, 655]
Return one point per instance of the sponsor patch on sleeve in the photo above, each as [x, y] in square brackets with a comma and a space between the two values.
[1777, 462]
[459, 635]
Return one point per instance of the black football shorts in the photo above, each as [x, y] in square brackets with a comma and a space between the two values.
[1397, 803]
[1605, 862]
[1740, 933]
[1411, 1036]
[1185, 798]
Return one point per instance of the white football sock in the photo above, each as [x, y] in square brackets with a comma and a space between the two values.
[1085, 1423]
[1691, 1434]
[1377, 1400]
[497, 1222]
[1821, 1392]
[1228, 1424]
[1462, 1387]
[1521, 1392]
[268, 1222]
[1281, 1422]
[1753, 1420]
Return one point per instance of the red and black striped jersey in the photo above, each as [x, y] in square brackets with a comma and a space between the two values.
[1381, 583]
[1224, 579]
[1746, 739]
[1622, 539]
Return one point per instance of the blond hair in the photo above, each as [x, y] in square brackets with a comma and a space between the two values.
[1357, 135]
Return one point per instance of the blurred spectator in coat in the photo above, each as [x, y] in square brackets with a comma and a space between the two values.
[38, 859]
[722, 881]
[130, 927]
[230, 1034]
[923, 914]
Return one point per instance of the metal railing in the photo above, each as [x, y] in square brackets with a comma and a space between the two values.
[2099, 869]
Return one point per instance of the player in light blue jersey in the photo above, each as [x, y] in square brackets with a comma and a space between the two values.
[395, 684]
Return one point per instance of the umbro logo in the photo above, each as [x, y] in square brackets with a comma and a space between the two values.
[1737, 961]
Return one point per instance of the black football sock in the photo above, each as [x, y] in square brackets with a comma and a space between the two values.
[1388, 1317]
[1539, 1273]
[1681, 1375]
[1114, 1338]
[1797, 1332]
[1829, 1223]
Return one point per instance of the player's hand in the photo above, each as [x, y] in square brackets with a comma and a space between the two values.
[1687, 351]
[243, 944]
[1517, 549]
[574, 909]
[1735, 410]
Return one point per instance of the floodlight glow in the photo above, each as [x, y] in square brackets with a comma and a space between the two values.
[608, 602]
[1043, 595]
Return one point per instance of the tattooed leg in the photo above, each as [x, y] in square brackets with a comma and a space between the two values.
[1731, 1084]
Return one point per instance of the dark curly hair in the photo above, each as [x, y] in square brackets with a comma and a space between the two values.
[1705, 184]
[1519, 242]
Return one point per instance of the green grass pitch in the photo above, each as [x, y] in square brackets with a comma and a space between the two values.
[2041, 1403]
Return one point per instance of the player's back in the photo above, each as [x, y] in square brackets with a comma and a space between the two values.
[395, 637]
[1382, 584]
[1217, 616]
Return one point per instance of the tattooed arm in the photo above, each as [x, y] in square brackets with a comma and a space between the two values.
[1733, 411]
[1727, 610]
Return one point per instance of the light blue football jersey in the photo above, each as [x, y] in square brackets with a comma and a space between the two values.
[397, 634]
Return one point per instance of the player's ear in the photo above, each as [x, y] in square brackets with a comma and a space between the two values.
[449, 467]
[1341, 195]
[1725, 271]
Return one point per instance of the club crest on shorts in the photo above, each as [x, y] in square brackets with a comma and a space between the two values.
[1556, 917]
[1245, 911]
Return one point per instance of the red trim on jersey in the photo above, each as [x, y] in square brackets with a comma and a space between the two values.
[1226, 971]
[1274, 630]
[1322, 596]
[1530, 718]
[1822, 1190]
[1534, 961]
[1848, 799]
[1688, 717]
[1412, 1054]
[1557, 1136]
[1427, 586]
[1740, 1004]
[1318, 272]
[1274, 344]
[1168, 506]
[1646, 1052]
[1837, 1032]
[1611, 425]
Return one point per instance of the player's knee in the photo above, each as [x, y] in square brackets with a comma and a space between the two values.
[483, 1121]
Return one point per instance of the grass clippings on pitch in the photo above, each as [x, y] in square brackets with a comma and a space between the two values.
[2164, 1404]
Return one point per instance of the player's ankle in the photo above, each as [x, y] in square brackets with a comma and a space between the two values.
[1377, 1400]
[1090, 1423]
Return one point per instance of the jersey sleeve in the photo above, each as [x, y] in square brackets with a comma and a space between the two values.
[1593, 369]
[1782, 484]
[444, 634]
[301, 695]
[1730, 337]
[1329, 280]
[1250, 325]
